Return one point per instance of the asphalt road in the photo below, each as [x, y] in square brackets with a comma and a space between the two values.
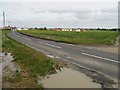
[103, 62]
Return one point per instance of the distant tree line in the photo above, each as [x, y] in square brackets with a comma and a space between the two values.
[104, 29]
[36, 28]
[101, 29]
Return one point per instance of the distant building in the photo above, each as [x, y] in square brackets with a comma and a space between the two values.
[25, 28]
[7, 28]
[68, 29]
[21, 28]
[77, 30]
[55, 29]
[72, 29]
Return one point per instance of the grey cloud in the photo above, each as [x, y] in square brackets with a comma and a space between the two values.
[61, 11]
[39, 11]
[32, 9]
[83, 15]
[49, 15]
[79, 14]
[71, 11]
[106, 19]
[110, 10]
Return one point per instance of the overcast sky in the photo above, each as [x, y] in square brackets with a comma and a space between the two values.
[60, 14]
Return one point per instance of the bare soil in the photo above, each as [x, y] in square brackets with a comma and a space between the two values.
[111, 49]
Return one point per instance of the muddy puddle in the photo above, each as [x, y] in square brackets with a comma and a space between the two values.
[68, 78]
[7, 68]
[7, 62]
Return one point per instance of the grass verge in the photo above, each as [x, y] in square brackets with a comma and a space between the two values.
[34, 62]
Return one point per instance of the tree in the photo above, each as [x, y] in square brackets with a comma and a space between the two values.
[45, 28]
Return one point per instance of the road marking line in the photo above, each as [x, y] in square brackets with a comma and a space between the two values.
[50, 45]
[18, 35]
[100, 57]
[81, 46]
[51, 56]
[13, 32]
[41, 42]
[70, 57]
[57, 57]
[37, 49]
[26, 38]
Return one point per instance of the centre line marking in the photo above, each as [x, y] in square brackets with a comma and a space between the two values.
[15, 34]
[101, 57]
[18, 35]
[26, 38]
[50, 45]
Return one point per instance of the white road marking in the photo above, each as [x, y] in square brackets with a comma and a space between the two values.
[51, 56]
[37, 49]
[101, 57]
[22, 37]
[50, 45]
[47, 54]
[26, 38]
[81, 46]
[70, 57]
[16, 34]
[57, 57]
[41, 42]
[13, 32]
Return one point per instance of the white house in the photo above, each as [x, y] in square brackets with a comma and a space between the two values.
[22, 28]
[77, 30]
[73, 29]
[19, 29]
[25, 28]
[67, 29]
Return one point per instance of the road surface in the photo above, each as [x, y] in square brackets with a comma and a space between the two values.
[103, 62]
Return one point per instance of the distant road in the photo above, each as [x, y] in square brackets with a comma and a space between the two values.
[103, 62]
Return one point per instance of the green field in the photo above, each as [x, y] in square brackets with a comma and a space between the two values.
[83, 38]
[34, 62]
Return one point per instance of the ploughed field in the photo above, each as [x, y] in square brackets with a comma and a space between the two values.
[93, 37]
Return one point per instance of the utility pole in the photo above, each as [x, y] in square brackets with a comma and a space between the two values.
[4, 19]
[8, 23]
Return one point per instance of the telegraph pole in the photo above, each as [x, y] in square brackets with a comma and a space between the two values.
[8, 23]
[4, 19]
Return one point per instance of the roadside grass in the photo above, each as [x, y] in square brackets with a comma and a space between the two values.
[16, 77]
[83, 38]
[34, 62]
[19, 79]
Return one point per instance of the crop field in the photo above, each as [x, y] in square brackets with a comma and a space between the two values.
[83, 38]
[33, 61]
